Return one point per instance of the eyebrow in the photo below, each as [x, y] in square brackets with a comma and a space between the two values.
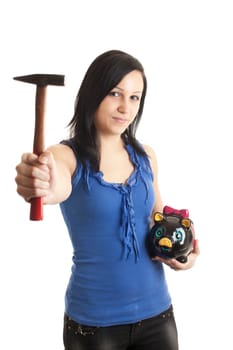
[133, 92]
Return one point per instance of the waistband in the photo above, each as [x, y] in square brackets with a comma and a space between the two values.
[68, 320]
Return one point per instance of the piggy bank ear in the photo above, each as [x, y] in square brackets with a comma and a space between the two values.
[158, 217]
[186, 222]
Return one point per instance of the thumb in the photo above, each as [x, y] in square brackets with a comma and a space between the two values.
[46, 158]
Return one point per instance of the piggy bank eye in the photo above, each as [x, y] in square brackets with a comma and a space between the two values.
[159, 232]
[179, 235]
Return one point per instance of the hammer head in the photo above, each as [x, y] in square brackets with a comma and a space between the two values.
[42, 79]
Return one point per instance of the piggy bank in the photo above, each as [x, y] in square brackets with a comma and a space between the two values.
[172, 234]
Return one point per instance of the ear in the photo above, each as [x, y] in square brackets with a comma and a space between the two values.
[186, 222]
[158, 217]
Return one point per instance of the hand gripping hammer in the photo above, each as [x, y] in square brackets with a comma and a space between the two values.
[41, 81]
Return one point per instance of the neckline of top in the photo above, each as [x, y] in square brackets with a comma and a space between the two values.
[130, 181]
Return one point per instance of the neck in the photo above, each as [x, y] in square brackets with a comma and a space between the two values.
[111, 143]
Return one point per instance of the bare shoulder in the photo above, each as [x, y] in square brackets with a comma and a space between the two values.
[64, 155]
[149, 150]
[154, 166]
[152, 156]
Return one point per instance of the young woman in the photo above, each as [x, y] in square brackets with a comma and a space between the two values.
[106, 182]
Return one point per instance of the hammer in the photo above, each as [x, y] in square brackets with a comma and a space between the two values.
[41, 81]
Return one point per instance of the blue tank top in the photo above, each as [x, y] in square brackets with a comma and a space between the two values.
[113, 279]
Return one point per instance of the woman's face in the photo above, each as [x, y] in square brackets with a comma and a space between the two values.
[119, 108]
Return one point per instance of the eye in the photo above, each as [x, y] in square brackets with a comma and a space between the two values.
[159, 232]
[114, 93]
[179, 235]
[135, 98]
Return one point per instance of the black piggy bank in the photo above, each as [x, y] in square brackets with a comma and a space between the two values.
[172, 235]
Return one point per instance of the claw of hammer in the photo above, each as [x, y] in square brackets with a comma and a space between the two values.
[41, 81]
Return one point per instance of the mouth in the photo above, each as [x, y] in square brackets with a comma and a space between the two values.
[165, 249]
[120, 120]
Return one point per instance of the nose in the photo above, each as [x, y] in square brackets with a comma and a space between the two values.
[123, 105]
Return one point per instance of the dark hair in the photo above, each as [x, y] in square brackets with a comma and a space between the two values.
[105, 72]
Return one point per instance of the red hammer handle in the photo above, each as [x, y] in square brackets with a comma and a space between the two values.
[36, 210]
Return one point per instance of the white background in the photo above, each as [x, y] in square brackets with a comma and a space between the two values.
[186, 49]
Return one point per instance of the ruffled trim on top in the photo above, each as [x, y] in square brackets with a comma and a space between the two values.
[128, 227]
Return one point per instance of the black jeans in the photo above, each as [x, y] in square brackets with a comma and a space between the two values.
[156, 333]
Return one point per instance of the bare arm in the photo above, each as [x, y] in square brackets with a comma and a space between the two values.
[173, 263]
[48, 176]
[154, 165]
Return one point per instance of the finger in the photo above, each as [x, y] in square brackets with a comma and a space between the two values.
[169, 262]
[196, 248]
[46, 158]
[29, 158]
[175, 264]
[29, 189]
[40, 182]
[26, 172]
